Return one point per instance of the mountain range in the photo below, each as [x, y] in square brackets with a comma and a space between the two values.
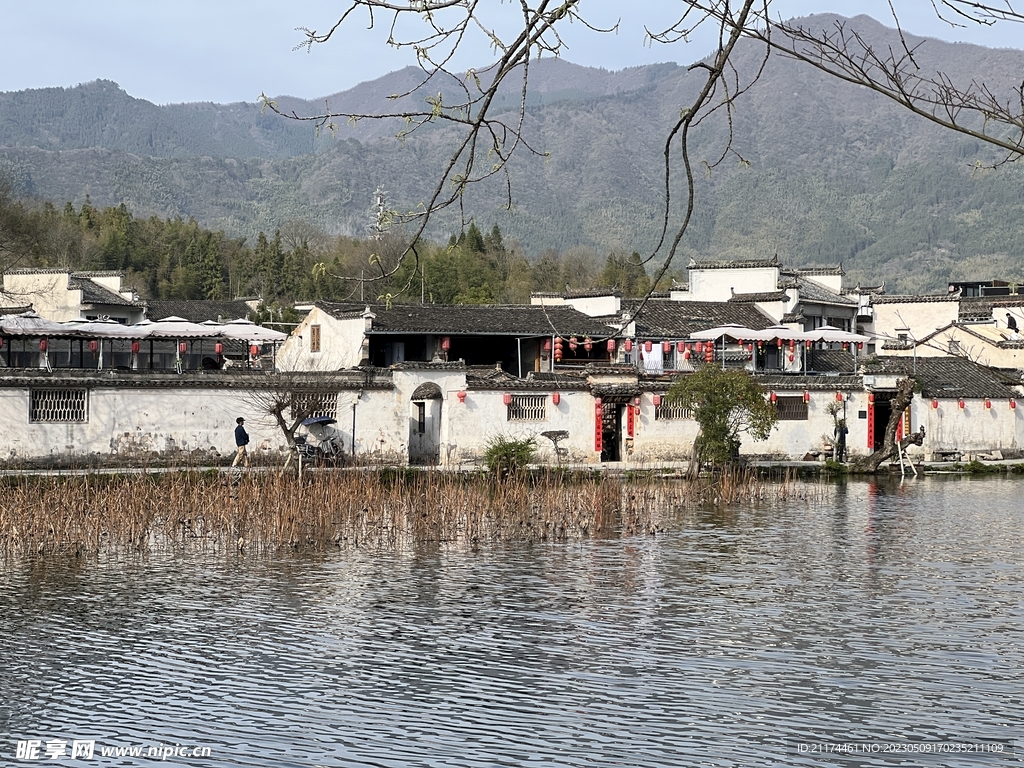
[821, 172]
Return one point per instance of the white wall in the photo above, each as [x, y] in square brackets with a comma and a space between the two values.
[922, 318]
[341, 344]
[972, 429]
[719, 284]
[137, 424]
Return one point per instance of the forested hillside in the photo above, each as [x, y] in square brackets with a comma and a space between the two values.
[822, 172]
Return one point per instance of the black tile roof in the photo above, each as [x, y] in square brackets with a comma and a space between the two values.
[914, 299]
[473, 319]
[661, 319]
[948, 377]
[737, 264]
[764, 296]
[197, 310]
[815, 293]
[829, 269]
[94, 293]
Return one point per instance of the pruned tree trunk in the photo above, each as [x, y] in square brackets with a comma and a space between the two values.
[904, 396]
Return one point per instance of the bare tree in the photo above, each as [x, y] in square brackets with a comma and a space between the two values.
[488, 138]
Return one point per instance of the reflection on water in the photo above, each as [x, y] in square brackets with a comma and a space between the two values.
[887, 612]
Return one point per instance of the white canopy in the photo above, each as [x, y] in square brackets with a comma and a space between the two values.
[108, 329]
[31, 324]
[246, 330]
[180, 328]
[732, 330]
[831, 333]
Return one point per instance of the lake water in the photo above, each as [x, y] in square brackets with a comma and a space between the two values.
[752, 636]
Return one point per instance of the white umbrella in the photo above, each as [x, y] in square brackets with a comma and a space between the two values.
[108, 329]
[831, 333]
[732, 329]
[31, 324]
[783, 332]
[246, 330]
[180, 328]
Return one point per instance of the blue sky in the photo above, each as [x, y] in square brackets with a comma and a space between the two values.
[227, 50]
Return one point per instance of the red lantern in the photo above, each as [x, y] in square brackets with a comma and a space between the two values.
[183, 347]
[547, 345]
[461, 395]
[845, 346]
[750, 347]
[611, 345]
[740, 342]
[218, 348]
[839, 397]
[254, 350]
[792, 357]
[807, 343]
[860, 345]
[935, 405]
[588, 345]
[597, 402]
[507, 398]
[791, 345]
[648, 346]
[779, 342]
[446, 343]
[573, 344]
[871, 397]
[709, 352]
[807, 396]
[960, 404]
[556, 397]
[43, 345]
[666, 347]
[680, 347]
[686, 353]
[136, 347]
[628, 344]
[657, 400]
[773, 397]
[1013, 404]
[93, 345]
[988, 404]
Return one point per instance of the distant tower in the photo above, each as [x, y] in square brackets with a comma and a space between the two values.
[379, 217]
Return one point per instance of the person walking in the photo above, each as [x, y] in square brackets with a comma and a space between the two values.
[241, 441]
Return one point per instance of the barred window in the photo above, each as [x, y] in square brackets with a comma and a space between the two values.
[314, 338]
[791, 408]
[315, 404]
[421, 418]
[58, 405]
[666, 411]
[527, 408]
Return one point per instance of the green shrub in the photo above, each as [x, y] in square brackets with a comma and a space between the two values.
[507, 455]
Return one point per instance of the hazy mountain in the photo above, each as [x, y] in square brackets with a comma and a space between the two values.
[835, 172]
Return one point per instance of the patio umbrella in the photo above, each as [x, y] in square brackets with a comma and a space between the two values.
[246, 330]
[831, 333]
[108, 329]
[180, 328]
[731, 329]
[31, 324]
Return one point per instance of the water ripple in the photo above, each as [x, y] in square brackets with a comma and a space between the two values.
[888, 613]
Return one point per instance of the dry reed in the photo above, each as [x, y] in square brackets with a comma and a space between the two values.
[379, 508]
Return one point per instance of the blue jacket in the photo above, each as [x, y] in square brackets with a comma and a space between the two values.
[241, 436]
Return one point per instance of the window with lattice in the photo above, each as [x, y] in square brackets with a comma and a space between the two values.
[314, 338]
[315, 404]
[668, 411]
[528, 408]
[58, 406]
[791, 408]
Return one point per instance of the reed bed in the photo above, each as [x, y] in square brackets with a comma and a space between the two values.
[376, 508]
